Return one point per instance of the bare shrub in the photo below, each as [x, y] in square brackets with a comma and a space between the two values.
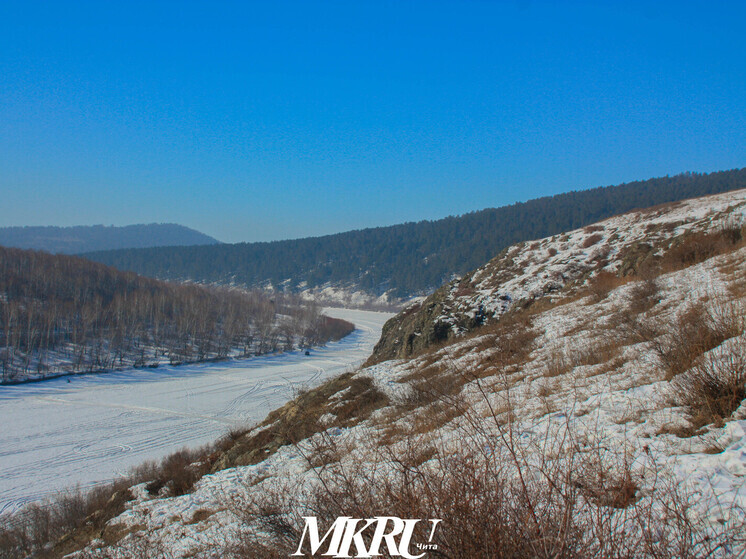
[177, 473]
[32, 530]
[603, 282]
[592, 240]
[500, 495]
[490, 507]
[713, 389]
[67, 522]
[695, 332]
[693, 248]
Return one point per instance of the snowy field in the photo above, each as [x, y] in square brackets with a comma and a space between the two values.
[57, 434]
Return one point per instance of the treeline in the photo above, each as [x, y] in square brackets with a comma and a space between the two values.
[66, 314]
[412, 258]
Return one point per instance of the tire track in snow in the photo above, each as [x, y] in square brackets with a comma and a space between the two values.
[132, 408]
[59, 434]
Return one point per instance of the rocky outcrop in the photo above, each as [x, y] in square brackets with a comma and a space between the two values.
[422, 325]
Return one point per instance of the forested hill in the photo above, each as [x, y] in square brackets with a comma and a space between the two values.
[86, 238]
[412, 258]
[65, 314]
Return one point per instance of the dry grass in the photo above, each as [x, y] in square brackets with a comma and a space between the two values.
[66, 523]
[695, 332]
[593, 228]
[603, 283]
[348, 398]
[499, 347]
[500, 496]
[713, 389]
[558, 364]
[734, 272]
[644, 294]
[693, 248]
[603, 350]
[592, 240]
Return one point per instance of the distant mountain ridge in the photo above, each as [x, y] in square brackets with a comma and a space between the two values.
[412, 258]
[88, 238]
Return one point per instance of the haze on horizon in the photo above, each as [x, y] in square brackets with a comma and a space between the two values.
[262, 121]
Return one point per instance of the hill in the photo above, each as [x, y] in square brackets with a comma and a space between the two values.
[63, 314]
[413, 258]
[599, 257]
[583, 397]
[87, 238]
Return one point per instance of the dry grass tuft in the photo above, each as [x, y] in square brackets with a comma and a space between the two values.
[713, 389]
[592, 240]
[603, 283]
[695, 247]
[644, 294]
[695, 332]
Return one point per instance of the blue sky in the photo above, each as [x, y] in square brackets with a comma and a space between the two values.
[270, 120]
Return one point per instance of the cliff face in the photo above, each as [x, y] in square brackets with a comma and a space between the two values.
[555, 267]
[415, 328]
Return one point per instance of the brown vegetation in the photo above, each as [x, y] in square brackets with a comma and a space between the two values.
[603, 282]
[592, 240]
[713, 389]
[696, 247]
[347, 398]
[69, 521]
[693, 333]
[499, 496]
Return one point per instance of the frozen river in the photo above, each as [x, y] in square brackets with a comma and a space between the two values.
[57, 434]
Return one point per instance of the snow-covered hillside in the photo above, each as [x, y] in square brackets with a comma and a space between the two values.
[596, 412]
[527, 272]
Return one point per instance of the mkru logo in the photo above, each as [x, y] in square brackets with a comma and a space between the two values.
[391, 532]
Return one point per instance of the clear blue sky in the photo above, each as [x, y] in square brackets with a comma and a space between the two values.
[269, 120]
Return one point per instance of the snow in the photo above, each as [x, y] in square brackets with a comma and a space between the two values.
[348, 297]
[620, 406]
[530, 270]
[59, 434]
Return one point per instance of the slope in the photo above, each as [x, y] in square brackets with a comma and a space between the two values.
[412, 258]
[596, 411]
[65, 314]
